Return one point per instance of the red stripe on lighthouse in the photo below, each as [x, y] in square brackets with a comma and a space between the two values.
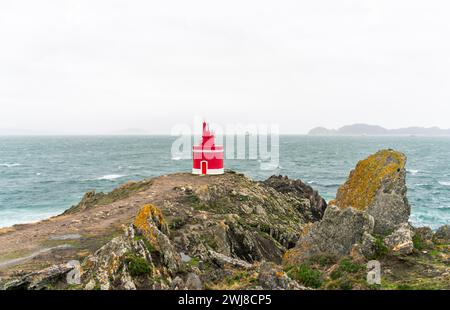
[207, 157]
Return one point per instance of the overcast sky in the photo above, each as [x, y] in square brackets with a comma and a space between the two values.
[104, 66]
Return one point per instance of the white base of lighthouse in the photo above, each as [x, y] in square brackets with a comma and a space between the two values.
[208, 171]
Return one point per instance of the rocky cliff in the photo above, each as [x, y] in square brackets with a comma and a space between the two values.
[182, 231]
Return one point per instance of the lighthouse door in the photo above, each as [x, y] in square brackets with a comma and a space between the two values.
[204, 166]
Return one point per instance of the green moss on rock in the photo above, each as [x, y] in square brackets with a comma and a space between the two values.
[306, 275]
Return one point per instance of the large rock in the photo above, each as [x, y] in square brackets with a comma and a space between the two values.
[144, 254]
[40, 280]
[401, 240]
[205, 229]
[150, 223]
[272, 277]
[334, 235]
[378, 186]
[111, 267]
[298, 189]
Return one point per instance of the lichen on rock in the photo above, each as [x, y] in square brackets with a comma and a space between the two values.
[152, 226]
[299, 190]
[229, 232]
[109, 267]
[334, 235]
[148, 221]
[378, 186]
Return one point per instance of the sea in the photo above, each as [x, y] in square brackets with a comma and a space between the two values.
[41, 176]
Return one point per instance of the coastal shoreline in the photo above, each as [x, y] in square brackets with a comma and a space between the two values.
[228, 231]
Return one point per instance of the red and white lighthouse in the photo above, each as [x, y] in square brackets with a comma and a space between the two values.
[208, 157]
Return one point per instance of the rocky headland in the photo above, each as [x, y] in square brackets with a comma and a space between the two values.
[182, 231]
[374, 130]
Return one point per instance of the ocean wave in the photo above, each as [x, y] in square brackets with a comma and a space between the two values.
[110, 177]
[329, 185]
[269, 166]
[412, 171]
[176, 158]
[444, 183]
[9, 165]
[423, 185]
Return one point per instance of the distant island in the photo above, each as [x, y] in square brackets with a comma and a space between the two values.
[373, 130]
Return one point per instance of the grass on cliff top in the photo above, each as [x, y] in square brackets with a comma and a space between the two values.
[237, 281]
[310, 273]
[315, 273]
[99, 199]
[306, 275]
[423, 270]
[427, 270]
[348, 275]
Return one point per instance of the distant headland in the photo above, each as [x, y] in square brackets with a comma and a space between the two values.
[373, 130]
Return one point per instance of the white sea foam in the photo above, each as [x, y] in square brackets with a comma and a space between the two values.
[176, 158]
[444, 183]
[412, 171]
[110, 177]
[422, 184]
[9, 165]
[269, 166]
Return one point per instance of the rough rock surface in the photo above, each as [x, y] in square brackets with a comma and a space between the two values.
[424, 235]
[272, 277]
[378, 186]
[73, 277]
[442, 235]
[146, 257]
[193, 232]
[41, 279]
[368, 246]
[334, 235]
[109, 267]
[297, 190]
[401, 240]
[181, 231]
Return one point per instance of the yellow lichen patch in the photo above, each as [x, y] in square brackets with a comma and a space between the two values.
[148, 220]
[360, 189]
[289, 257]
[237, 281]
[305, 229]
